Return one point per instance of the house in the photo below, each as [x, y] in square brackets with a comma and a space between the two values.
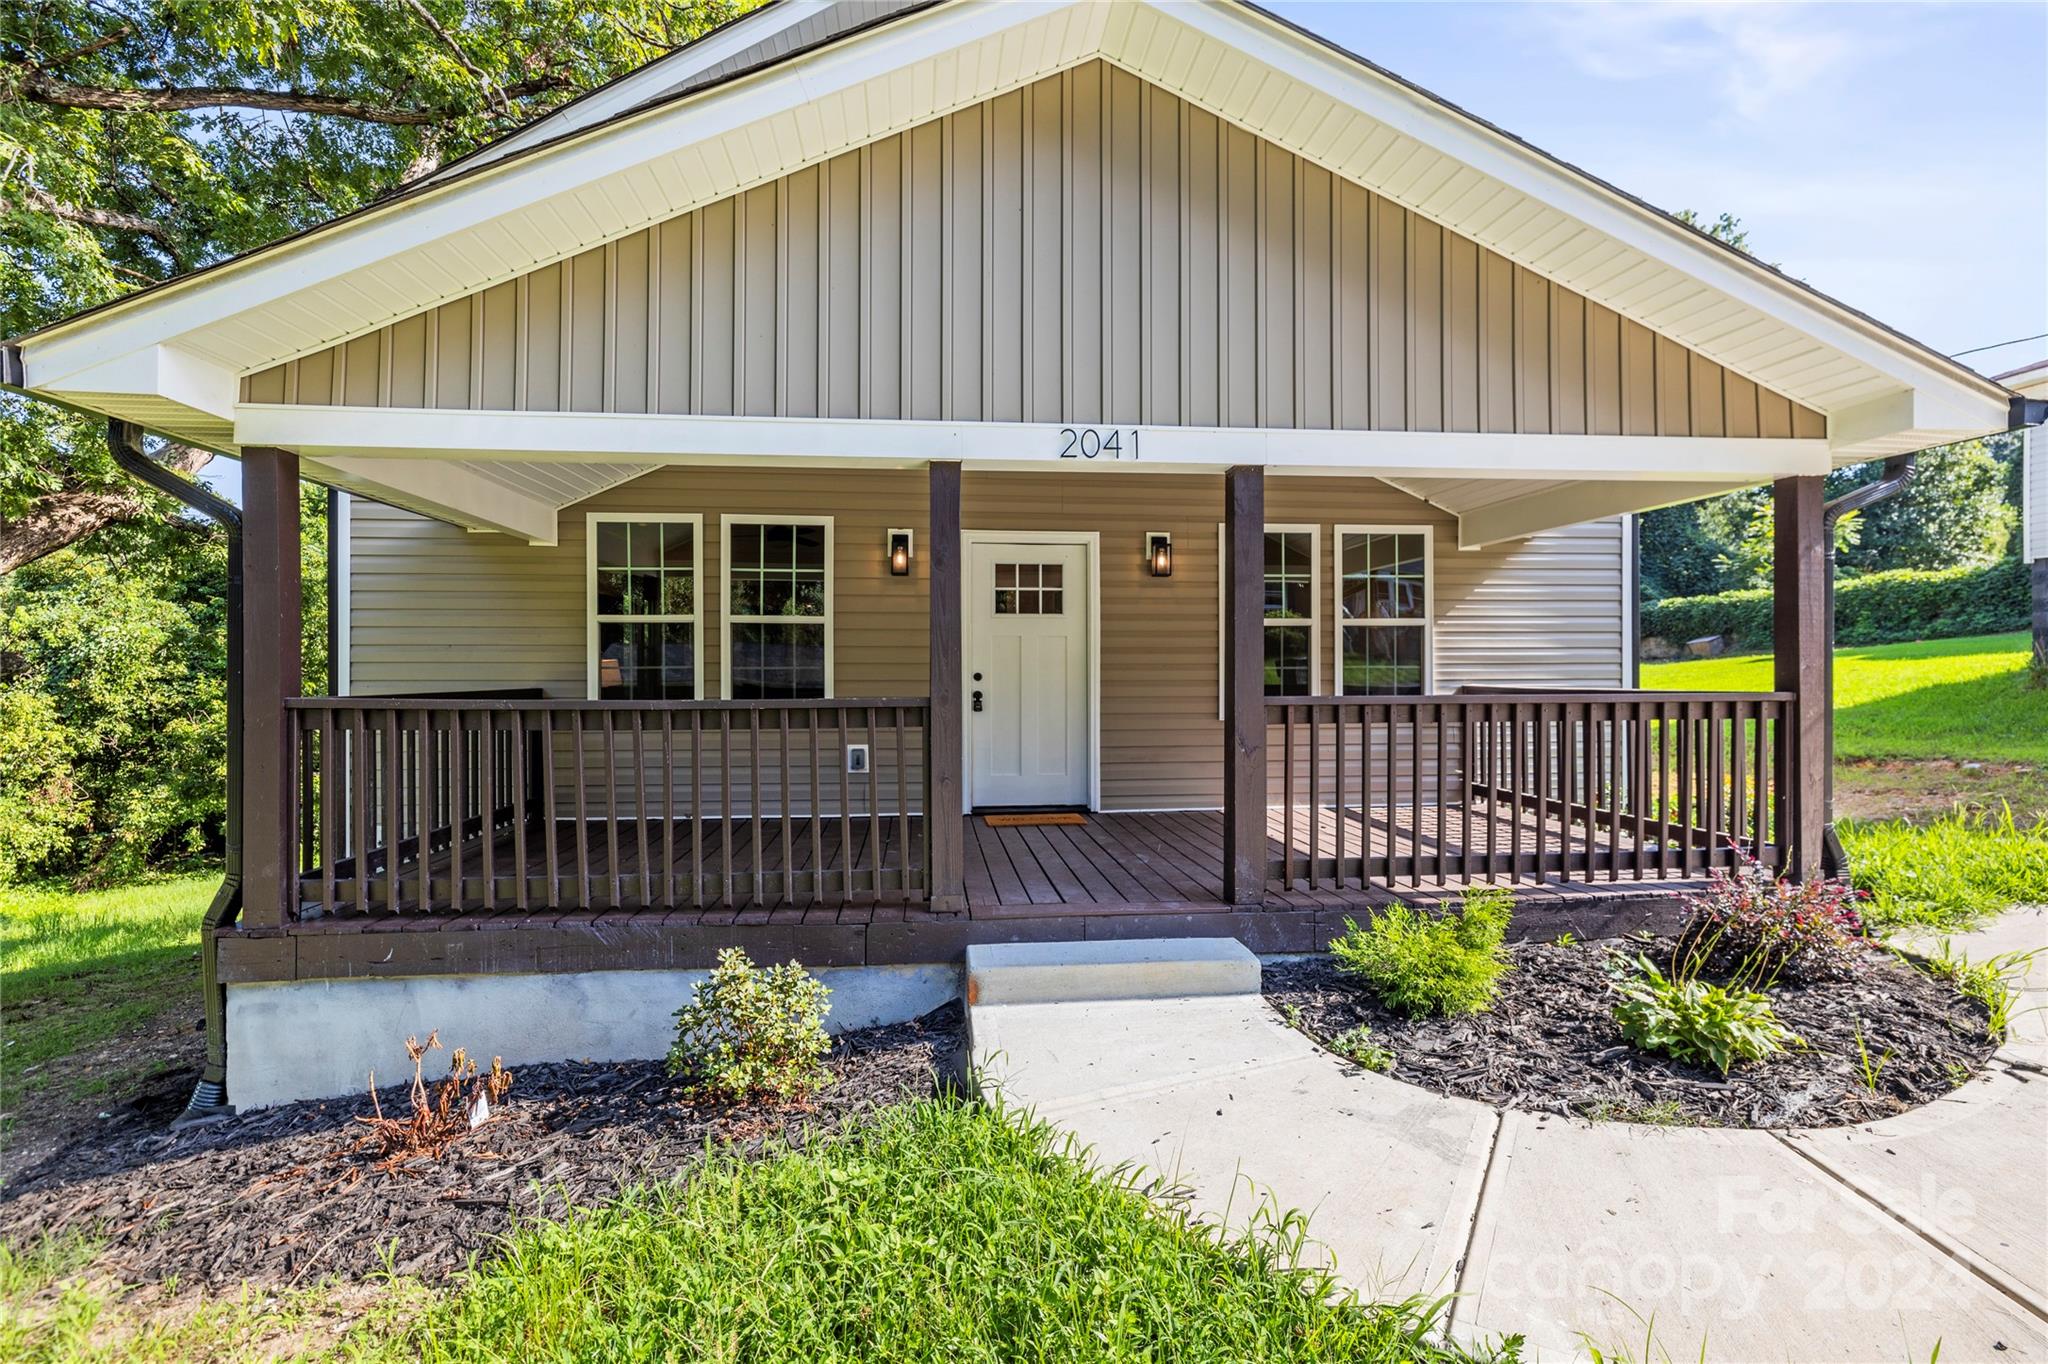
[2031, 382]
[876, 415]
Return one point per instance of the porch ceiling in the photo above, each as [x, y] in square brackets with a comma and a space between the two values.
[172, 357]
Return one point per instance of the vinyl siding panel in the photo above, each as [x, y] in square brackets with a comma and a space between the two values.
[434, 608]
[1089, 248]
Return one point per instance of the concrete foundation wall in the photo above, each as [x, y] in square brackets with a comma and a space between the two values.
[316, 1039]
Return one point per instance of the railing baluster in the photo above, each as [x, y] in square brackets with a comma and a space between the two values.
[515, 763]
[614, 882]
[549, 838]
[845, 858]
[725, 806]
[782, 802]
[668, 810]
[754, 806]
[814, 791]
[696, 810]
[1286, 797]
[640, 805]
[1337, 804]
[487, 803]
[583, 895]
[393, 788]
[902, 806]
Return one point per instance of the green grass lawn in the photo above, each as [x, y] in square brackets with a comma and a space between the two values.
[81, 969]
[941, 1230]
[1907, 716]
[1965, 699]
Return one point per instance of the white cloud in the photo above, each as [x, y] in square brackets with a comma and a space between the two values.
[1752, 56]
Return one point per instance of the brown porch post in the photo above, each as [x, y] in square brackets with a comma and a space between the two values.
[270, 673]
[1800, 633]
[1244, 685]
[945, 865]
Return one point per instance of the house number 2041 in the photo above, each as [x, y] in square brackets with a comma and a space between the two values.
[1098, 442]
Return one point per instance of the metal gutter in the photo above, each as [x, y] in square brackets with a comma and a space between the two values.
[124, 441]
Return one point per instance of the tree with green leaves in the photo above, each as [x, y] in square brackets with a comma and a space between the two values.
[140, 139]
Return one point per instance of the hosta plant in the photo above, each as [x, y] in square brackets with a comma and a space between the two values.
[1758, 927]
[1696, 1021]
[752, 1033]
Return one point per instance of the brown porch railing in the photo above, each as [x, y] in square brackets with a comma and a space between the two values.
[436, 806]
[1523, 786]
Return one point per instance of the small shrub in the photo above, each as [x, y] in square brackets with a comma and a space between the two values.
[1758, 926]
[1357, 1047]
[1418, 963]
[1696, 1021]
[752, 1033]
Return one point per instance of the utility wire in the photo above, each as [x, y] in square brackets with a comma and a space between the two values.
[1959, 354]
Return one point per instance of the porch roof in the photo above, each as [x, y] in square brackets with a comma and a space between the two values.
[792, 88]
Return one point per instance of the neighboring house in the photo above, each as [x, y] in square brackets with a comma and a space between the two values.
[876, 413]
[2031, 382]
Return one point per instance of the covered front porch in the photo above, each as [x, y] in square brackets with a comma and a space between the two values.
[402, 823]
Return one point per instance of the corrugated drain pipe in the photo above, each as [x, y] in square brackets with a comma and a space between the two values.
[210, 1096]
[1892, 480]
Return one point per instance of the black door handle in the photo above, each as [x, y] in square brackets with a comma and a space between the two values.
[977, 702]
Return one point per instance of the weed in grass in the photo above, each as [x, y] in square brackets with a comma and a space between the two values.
[1565, 939]
[1662, 1113]
[1423, 964]
[1994, 983]
[1872, 1068]
[1356, 1045]
[940, 1231]
[1959, 1075]
[1951, 873]
[1292, 1013]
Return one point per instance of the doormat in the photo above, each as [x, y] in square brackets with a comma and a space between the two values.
[1032, 821]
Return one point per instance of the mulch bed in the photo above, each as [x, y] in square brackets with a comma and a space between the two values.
[1550, 1043]
[285, 1196]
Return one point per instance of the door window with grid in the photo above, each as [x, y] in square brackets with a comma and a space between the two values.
[643, 608]
[1383, 606]
[778, 609]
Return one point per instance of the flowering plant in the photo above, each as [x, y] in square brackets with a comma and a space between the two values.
[1759, 925]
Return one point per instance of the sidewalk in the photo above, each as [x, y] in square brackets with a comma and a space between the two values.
[1872, 1243]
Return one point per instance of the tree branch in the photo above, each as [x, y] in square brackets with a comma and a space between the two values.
[58, 519]
[113, 220]
[476, 72]
[39, 88]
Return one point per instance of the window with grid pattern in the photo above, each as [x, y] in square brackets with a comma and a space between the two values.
[643, 608]
[1383, 612]
[778, 609]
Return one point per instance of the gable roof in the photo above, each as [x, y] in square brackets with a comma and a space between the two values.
[802, 80]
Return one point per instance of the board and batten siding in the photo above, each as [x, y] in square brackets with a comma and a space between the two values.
[435, 608]
[1089, 248]
[2034, 484]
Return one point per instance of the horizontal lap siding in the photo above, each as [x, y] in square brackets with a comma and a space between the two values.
[438, 609]
[1089, 248]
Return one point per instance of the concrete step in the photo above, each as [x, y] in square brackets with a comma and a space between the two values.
[1140, 968]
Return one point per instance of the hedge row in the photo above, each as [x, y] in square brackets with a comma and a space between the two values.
[1877, 608]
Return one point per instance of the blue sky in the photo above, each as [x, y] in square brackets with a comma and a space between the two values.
[1895, 156]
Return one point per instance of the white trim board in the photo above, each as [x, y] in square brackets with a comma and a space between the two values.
[1089, 540]
[363, 434]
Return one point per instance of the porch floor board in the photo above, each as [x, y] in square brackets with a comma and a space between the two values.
[1116, 863]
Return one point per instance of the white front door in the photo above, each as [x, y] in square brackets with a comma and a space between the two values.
[1027, 674]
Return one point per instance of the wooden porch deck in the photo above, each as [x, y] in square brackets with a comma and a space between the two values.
[1111, 863]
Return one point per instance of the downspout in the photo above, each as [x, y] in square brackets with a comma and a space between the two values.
[1893, 479]
[124, 440]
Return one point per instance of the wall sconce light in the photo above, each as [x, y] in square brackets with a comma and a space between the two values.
[899, 553]
[1159, 553]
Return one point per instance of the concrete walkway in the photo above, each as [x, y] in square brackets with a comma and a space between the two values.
[1872, 1243]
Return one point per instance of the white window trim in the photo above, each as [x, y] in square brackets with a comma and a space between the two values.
[695, 620]
[725, 616]
[1339, 624]
[1315, 599]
